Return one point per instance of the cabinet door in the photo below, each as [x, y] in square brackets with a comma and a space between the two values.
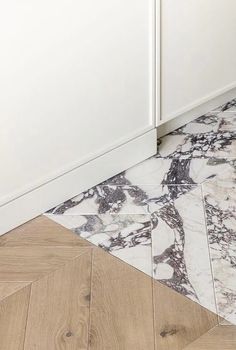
[198, 52]
[76, 80]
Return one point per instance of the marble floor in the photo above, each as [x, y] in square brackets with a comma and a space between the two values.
[174, 215]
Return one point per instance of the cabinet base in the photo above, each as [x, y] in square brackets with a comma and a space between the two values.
[70, 184]
[194, 113]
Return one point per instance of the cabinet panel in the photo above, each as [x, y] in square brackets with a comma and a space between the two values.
[76, 80]
[198, 52]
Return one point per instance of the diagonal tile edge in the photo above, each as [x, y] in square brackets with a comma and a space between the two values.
[13, 318]
[8, 288]
[59, 306]
[178, 320]
[41, 231]
[218, 338]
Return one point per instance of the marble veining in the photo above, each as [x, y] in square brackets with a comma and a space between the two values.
[126, 236]
[213, 135]
[172, 216]
[220, 205]
[227, 107]
[178, 240]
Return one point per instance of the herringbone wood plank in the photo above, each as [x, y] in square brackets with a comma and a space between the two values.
[178, 320]
[59, 308]
[42, 232]
[35, 249]
[121, 306]
[13, 316]
[8, 288]
[33, 262]
[219, 338]
[56, 264]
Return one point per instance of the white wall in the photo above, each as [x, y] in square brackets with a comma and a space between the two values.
[76, 80]
[198, 52]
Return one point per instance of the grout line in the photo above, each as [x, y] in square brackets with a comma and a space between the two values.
[226, 111]
[28, 283]
[90, 301]
[27, 316]
[209, 253]
[229, 112]
[212, 269]
[152, 286]
[48, 274]
[153, 315]
[196, 340]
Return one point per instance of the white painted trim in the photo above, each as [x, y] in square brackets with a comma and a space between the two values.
[151, 124]
[152, 43]
[197, 111]
[69, 167]
[158, 60]
[40, 199]
[199, 102]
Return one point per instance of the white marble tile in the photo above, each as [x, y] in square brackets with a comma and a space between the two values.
[220, 204]
[227, 122]
[121, 199]
[174, 178]
[106, 199]
[205, 124]
[212, 135]
[150, 172]
[157, 171]
[224, 141]
[227, 107]
[138, 257]
[231, 109]
[163, 195]
[180, 249]
[227, 151]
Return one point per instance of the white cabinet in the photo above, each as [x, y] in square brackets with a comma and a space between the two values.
[198, 53]
[76, 82]
[80, 87]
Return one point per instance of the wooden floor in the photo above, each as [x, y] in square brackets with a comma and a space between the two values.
[59, 292]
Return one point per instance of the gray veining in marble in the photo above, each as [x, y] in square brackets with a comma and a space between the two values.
[172, 216]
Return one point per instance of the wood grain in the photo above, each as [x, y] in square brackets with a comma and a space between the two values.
[8, 288]
[128, 310]
[13, 315]
[219, 338]
[178, 320]
[121, 306]
[42, 232]
[33, 262]
[224, 322]
[59, 308]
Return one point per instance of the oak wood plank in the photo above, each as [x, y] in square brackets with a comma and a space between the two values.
[13, 316]
[178, 320]
[43, 232]
[219, 338]
[30, 263]
[8, 288]
[121, 315]
[59, 308]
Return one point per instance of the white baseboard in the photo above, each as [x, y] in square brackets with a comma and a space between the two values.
[201, 109]
[62, 188]
[42, 198]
